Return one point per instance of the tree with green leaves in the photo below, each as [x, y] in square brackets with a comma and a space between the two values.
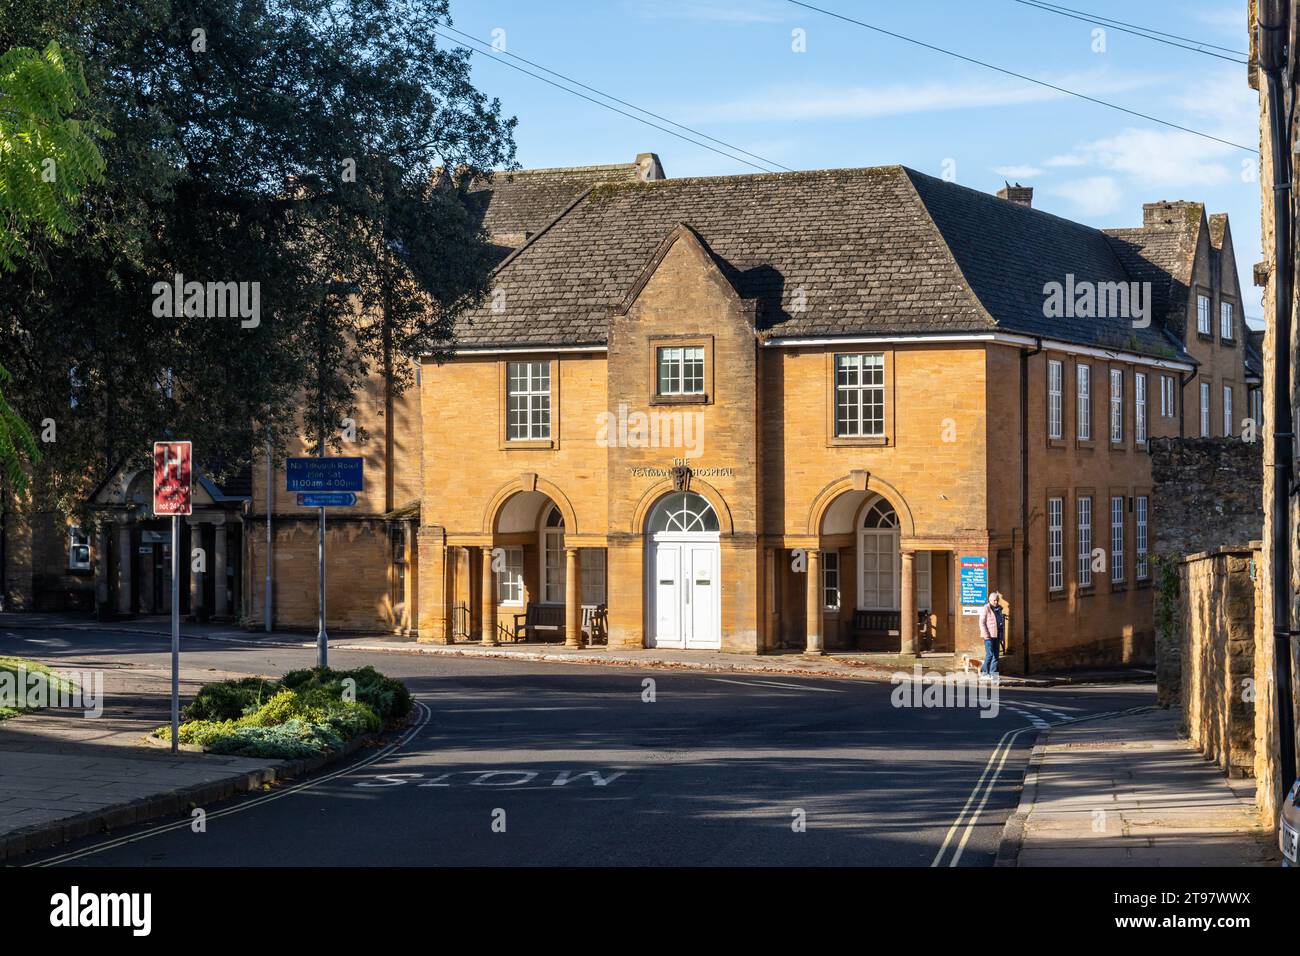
[291, 146]
[47, 155]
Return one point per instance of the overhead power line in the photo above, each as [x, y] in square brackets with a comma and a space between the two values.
[1022, 76]
[1171, 39]
[489, 49]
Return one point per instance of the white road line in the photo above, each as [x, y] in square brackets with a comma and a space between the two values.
[1035, 705]
[1004, 743]
[425, 715]
[772, 683]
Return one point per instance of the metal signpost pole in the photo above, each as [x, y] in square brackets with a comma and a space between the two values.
[176, 631]
[322, 638]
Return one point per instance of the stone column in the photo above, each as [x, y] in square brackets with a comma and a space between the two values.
[220, 606]
[102, 571]
[572, 600]
[907, 607]
[489, 599]
[125, 562]
[815, 642]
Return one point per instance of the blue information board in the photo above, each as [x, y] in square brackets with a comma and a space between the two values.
[327, 499]
[974, 584]
[323, 474]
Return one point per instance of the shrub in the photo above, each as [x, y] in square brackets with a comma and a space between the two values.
[228, 699]
[302, 715]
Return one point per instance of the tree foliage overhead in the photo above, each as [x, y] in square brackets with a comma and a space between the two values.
[295, 144]
[46, 155]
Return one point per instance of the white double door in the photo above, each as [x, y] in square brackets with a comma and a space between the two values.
[685, 590]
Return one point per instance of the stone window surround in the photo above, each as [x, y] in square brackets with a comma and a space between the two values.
[887, 376]
[1090, 493]
[656, 342]
[1063, 495]
[1142, 581]
[1091, 440]
[1126, 507]
[1057, 441]
[1206, 294]
[1229, 341]
[504, 442]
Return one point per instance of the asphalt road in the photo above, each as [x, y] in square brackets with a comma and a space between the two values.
[514, 763]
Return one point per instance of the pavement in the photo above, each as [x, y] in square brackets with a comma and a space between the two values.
[1129, 791]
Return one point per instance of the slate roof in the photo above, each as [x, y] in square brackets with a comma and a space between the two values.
[881, 250]
[514, 205]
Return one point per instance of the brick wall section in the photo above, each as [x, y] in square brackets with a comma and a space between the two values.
[1213, 641]
[1206, 493]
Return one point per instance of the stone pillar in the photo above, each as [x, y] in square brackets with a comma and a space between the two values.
[572, 600]
[907, 607]
[102, 571]
[815, 642]
[489, 599]
[196, 577]
[125, 562]
[220, 606]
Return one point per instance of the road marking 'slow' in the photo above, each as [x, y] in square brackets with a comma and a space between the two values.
[425, 715]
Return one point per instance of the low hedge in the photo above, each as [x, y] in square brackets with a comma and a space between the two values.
[303, 714]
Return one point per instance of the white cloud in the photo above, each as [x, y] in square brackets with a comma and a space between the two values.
[1065, 160]
[863, 102]
[1157, 158]
[1092, 195]
[1018, 172]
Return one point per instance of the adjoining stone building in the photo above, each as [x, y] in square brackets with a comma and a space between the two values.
[802, 410]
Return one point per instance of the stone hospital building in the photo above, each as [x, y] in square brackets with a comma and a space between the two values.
[812, 410]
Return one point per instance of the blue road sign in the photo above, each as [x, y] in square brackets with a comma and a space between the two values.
[323, 474]
[327, 499]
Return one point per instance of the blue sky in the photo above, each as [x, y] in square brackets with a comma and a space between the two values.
[857, 98]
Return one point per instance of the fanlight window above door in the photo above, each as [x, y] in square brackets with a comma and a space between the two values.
[683, 511]
[880, 515]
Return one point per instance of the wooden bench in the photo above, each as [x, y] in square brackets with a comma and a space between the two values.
[543, 618]
[593, 623]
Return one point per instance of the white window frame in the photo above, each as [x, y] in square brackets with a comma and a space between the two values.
[1203, 315]
[1167, 402]
[1116, 405]
[1083, 399]
[1140, 406]
[1116, 539]
[1083, 516]
[554, 575]
[1227, 411]
[831, 595]
[528, 401]
[1226, 321]
[860, 395]
[1142, 568]
[684, 365]
[1055, 544]
[510, 579]
[1205, 409]
[924, 568]
[78, 541]
[1055, 398]
[592, 562]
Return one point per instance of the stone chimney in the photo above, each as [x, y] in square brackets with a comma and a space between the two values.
[1018, 194]
[649, 167]
[1170, 212]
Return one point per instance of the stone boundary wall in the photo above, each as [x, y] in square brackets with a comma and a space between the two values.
[1206, 664]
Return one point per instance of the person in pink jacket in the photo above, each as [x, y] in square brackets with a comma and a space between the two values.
[992, 629]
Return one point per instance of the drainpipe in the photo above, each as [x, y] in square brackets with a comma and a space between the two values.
[270, 563]
[1272, 57]
[1024, 501]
